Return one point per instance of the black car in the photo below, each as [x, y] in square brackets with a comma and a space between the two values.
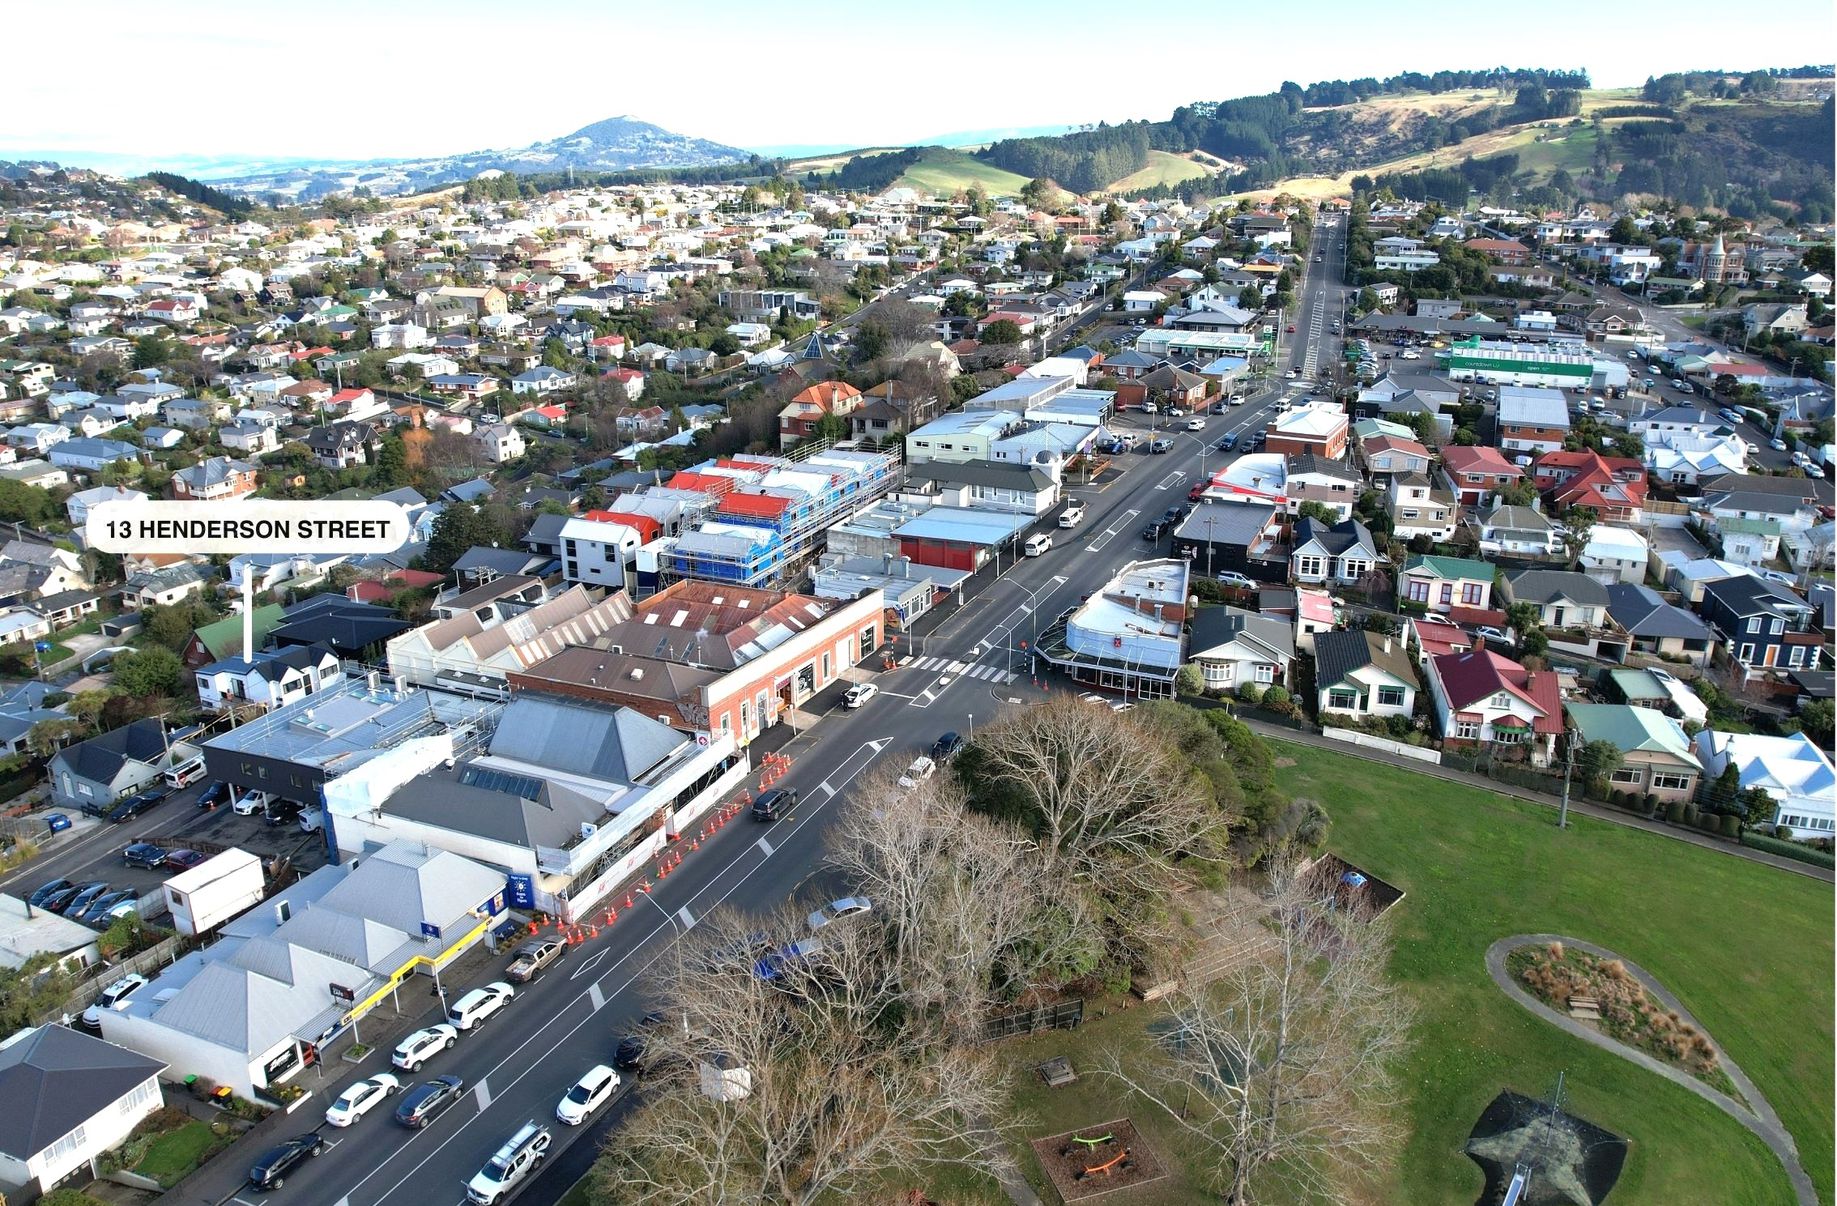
[270, 1172]
[1153, 531]
[143, 854]
[58, 900]
[215, 792]
[1226, 444]
[283, 812]
[628, 1056]
[98, 911]
[945, 746]
[428, 1100]
[133, 806]
[774, 804]
[38, 898]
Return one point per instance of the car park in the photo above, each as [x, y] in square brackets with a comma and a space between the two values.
[103, 908]
[60, 900]
[271, 1169]
[472, 1009]
[859, 694]
[360, 1098]
[184, 860]
[115, 997]
[838, 910]
[428, 1100]
[510, 1164]
[534, 957]
[422, 1045]
[590, 1092]
[774, 804]
[945, 746]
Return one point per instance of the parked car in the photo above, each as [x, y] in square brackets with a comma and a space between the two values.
[838, 910]
[535, 957]
[590, 1092]
[510, 1164]
[428, 1100]
[46, 891]
[215, 792]
[271, 1169]
[1160, 446]
[422, 1045]
[945, 746]
[472, 1009]
[1198, 491]
[60, 900]
[84, 897]
[143, 854]
[774, 804]
[922, 768]
[103, 908]
[133, 806]
[184, 860]
[1225, 445]
[774, 964]
[360, 1098]
[1153, 531]
[1233, 578]
[859, 694]
[115, 997]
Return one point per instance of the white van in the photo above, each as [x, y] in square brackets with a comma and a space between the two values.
[186, 773]
[1072, 516]
[1036, 545]
[312, 820]
[479, 1004]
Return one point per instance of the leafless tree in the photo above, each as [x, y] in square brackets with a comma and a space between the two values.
[1285, 1066]
[957, 894]
[841, 1086]
[1112, 804]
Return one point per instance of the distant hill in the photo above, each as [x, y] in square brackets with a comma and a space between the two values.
[614, 145]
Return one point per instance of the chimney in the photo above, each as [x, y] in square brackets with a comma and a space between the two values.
[1387, 642]
[248, 612]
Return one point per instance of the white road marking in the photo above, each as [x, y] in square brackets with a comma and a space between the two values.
[595, 995]
[765, 847]
[483, 1092]
[687, 918]
[825, 788]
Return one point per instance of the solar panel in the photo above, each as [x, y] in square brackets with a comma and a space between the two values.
[501, 781]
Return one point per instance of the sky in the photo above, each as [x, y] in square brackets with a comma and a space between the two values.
[356, 79]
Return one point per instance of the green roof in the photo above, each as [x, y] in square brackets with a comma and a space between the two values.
[1736, 525]
[225, 636]
[1628, 728]
[1637, 684]
[1451, 567]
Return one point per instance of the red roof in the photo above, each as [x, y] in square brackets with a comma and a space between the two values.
[349, 395]
[1477, 617]
[644, 525]
[1468, 678]
[828, 394]
[706, 483]
[1478, 459]
[755, 506]
[609, 341]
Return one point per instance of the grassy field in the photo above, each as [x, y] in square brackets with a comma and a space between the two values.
[1163, 167]
[942, 170]
[1747, 949]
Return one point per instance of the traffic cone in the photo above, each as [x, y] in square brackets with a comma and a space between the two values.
[696, 844]
[628, 900]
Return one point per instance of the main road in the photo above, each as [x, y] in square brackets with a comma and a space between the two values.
[960, 672]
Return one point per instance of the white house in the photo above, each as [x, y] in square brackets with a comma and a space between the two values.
[1362, 674]
[500, 441]
[1486, 698]
[1233, 647]
[597, 552]
[69, 1098]
[270, 679]
[1614, 555]
[1793, 770]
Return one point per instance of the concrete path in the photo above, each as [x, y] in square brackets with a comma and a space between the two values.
[1760, 1118]
[1578, 806]
[1000, 1163]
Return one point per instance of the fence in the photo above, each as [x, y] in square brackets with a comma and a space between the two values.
[1399, 748]
[1061, 1015]
[147, 963]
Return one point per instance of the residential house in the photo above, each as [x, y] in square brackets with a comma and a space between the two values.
[1656, 756]
[1614, 555]
[1614, 488]
[341, 445]
[71, 1099]
[1234, 648]
[110, 765]
[1320, 428]
[1763, 624]
[1563, 598]
[543, 379]
[1520, 531]
[1486, 699]
[1340, 554]
[214, 478]
[250, 439]
[1750, 513]
[164, 587]
[1659, 628]
[1363, 674]
[221, 638]
[269, 679]
[1389, 456]
[799, 417]
[1441, 584]
[500, 442]
[78, 505]
[1793, 770]
[1531, 419]
[1332, 484]
[1419, 508]
[1313, 615]
[1475, 473]
[86, 455]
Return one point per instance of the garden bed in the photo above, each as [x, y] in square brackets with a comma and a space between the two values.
[169, 1145]
[1099, 1159]
[1555, 973]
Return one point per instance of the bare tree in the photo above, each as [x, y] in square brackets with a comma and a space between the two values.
[958, 894]
[1111, 803]
[792, 1079]
[1285, 1066]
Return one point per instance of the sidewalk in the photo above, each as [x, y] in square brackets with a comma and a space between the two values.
[1578, 806]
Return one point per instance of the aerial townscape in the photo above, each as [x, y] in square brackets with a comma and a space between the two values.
[1277, 655]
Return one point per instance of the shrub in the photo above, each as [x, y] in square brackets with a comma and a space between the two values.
[1649, 804]
[1708, 822]
[1251, 694]
[1674, 811]
[1275, 697]
[1792, 850]
[1731, 825]
[1690, 814]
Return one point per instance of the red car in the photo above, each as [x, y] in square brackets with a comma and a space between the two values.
[1197, 492]
[184, 860]
[1291, 328]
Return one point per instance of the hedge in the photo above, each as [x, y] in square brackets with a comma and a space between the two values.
[1791, 850]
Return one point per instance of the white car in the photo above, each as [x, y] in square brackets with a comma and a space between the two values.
[837, 910]
[418, 1047]
[1410, 355]
[1233, 578]
[480, 1004]
[360, 1098]
[859, 694]
[589, 1093]
[922, 768]
[1196, 423]
[115, 997]
[1092, 697]
[1292, 374]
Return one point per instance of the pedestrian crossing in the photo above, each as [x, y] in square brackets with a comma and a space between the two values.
[987, 674]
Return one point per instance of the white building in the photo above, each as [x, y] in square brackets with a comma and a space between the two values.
[1128, 635]
[69, 1098]
[1614, 555]
[1793, 770]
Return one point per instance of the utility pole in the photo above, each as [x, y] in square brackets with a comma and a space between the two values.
[1562, 812]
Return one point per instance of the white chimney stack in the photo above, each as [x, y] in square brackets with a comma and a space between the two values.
[248, 612]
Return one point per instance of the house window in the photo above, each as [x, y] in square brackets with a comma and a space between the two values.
[1410, 514]
[1777, 627]
[1472, 593]
[1663, 782]
[1795, 655]
[1447, 592]
[1217, 674]
[1746, 653]
[1467, 730]
[1343, 700]
[1310, 567]
[1754, 624]
[1266, 673]
[1390, 697]
[1506, 734]
[1626, 774]
[1418, 590]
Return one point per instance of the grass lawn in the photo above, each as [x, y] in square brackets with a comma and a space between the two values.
[177, 1152]
[942, 170]
[1748, 950]
[1163, 167]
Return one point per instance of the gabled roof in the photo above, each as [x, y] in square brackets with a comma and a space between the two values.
[1630, 728]
[1338, 654]
[1643, 613]
[56, 1080]
[1336, 539]
[1479, 674]
[1747, 595]
[1215, 627]
[1450, 567]
[1548, 586]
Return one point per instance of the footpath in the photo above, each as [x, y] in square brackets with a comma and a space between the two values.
[1580, 807]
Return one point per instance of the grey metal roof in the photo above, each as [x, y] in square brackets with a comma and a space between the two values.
[1338, 654]
[609, 744]
[1337, 539]
[1547, 586]
[1641, 611]
[1225, 523]
[1213, 627]
[58, 1079]
[994, 474]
